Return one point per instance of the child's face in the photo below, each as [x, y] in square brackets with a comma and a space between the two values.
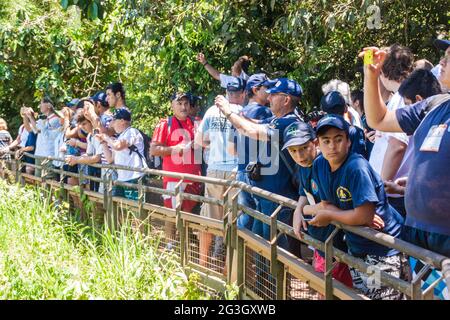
[304, 154]
[334, 145]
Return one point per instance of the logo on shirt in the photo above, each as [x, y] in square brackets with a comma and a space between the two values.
[343, 194]
[314, 186]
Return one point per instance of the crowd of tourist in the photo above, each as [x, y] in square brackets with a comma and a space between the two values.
[376, 156]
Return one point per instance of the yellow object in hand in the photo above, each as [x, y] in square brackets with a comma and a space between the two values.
[368, 57]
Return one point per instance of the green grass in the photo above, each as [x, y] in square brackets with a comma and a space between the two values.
[46, 254]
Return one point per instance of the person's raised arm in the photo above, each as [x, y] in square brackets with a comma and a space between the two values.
[244, 126]
[211, 70]
[377, 115]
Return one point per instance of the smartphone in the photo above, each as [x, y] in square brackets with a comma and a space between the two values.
[308, 218]
[368, 57]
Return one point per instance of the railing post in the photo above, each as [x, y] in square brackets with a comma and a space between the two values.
[416, 283]
[81, 192]
[179, 224]
[141, 197]
[110, 205]
[328, 274]
[231, 238]
[273, 241]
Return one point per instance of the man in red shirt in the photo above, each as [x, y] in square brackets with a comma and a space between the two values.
[173, 141]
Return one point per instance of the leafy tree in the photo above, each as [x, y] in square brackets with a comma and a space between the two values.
[72, 48]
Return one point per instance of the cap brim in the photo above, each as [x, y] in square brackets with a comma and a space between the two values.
[297, 141]
[320, 128]
[441, 44]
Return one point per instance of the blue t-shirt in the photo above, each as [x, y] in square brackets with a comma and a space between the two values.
[216, 128]
[358, 140]
[307, 184]
[352, 185]
[248, 148]
[31, 142]
[427, 194]
[276, 172]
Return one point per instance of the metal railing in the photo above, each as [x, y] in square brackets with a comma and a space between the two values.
[261, 269]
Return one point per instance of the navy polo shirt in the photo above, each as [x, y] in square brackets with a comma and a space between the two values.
[352, 185]
[427, 196]
[275, 175]
[307, 183]
[253, 111]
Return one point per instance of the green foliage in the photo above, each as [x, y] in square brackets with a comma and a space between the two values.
[76, 47]
[45, 254]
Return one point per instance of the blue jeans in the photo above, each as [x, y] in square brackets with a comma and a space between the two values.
[268, 207]
[245, 199]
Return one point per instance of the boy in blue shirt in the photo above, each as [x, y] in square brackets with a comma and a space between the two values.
[353, 193]
[300, 140]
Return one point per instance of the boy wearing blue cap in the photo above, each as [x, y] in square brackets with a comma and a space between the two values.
[353, 193]
[300, 140]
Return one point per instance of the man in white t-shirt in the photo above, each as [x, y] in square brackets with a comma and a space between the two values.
[213, 132]
[390, 147]
[121, 154]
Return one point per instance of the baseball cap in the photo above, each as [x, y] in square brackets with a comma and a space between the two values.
[333, 102]
[100, 97]
[235, 84]
[332, 120]
[256, 80]
[441, 44]
[122, 113]
[298, 133]
[180, 95]
[72, 103]
[288, 86]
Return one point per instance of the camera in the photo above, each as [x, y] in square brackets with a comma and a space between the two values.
[42, 117]
[253, 170]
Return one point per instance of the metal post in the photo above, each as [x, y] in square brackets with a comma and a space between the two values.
[240, 266]
[179, 224]
[141, 198]
[231, 238]
[416, 283]
[329, 265]
[81, 192]
[273, 241]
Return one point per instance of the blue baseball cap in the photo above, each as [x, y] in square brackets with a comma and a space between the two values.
[333, 102]
[122, 113]
[256, 80]
[235, 84]
[288, 86]
[72, 103]
[441, 44]
[298, 133]
[100, 97]
[332, 120]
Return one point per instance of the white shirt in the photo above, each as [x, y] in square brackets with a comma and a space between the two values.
[59, 142]
[49, 131]
[382, 138]
[356, 119]
[127, 158]
[23, 133]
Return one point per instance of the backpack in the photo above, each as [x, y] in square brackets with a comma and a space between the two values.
[149, 160]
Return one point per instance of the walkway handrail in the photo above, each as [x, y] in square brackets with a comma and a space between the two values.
[431, 258]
